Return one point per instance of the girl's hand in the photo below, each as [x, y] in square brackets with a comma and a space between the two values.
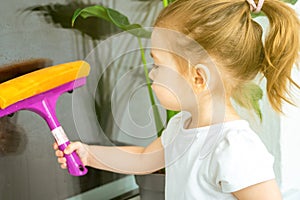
[80, 148]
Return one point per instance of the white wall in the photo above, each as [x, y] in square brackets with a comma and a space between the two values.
[290, 139]
[281, 135]
[290, 142]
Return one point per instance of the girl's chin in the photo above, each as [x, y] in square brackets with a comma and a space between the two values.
[170, 107]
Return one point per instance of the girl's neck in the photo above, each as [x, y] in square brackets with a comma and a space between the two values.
[208, 115]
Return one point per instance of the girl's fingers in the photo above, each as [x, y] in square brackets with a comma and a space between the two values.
[62, 160]
[72, 147]
[59, 153]
[55, 146]
[63, 166]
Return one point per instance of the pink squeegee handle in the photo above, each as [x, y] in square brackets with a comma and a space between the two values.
[44, 104]
[74, 164]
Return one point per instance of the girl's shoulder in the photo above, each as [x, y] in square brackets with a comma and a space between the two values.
[239, 138]
[241, 159]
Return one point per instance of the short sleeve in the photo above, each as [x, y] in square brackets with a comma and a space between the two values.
[242, 160]
[166, 137]
[173, 128]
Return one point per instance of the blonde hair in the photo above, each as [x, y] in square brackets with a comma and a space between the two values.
[226, 30]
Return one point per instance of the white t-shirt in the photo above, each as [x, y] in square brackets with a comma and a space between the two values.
[210, 162]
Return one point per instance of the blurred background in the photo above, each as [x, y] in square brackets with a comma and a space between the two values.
[95, 114]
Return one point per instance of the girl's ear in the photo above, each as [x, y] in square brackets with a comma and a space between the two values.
[201, 76]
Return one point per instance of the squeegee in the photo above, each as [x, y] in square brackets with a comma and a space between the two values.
[38, 92]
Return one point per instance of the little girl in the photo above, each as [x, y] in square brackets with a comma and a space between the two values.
[206, 52]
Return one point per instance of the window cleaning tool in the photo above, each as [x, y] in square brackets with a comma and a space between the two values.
[38, 92]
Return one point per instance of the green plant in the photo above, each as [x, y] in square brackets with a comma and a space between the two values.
[122, 22]
[254, 92]
[60, 15]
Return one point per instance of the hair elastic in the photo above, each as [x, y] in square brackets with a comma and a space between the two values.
[255, 8]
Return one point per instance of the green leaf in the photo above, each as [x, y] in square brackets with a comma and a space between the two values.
[92, 11]
[257, 109]
[293, 2]
[123, 23]
[248, 96]
[165, 3]
[137, 30]
[117, 18]
[254, 15]
[75, 15]
[170, 114]
[113, 16]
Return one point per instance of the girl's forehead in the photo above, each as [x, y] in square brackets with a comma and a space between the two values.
[172, 41]
[162, 38]
[176, 43]
[162, 43]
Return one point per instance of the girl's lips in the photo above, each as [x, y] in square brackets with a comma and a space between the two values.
[153, 86]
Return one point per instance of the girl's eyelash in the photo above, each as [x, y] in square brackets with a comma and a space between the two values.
[155, 66]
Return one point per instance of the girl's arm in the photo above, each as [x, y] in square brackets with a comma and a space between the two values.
[267, 190]
[119, 159]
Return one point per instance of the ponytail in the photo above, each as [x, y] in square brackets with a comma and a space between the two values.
[281, 51]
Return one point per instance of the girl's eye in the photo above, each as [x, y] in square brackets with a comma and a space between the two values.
[155, 66]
